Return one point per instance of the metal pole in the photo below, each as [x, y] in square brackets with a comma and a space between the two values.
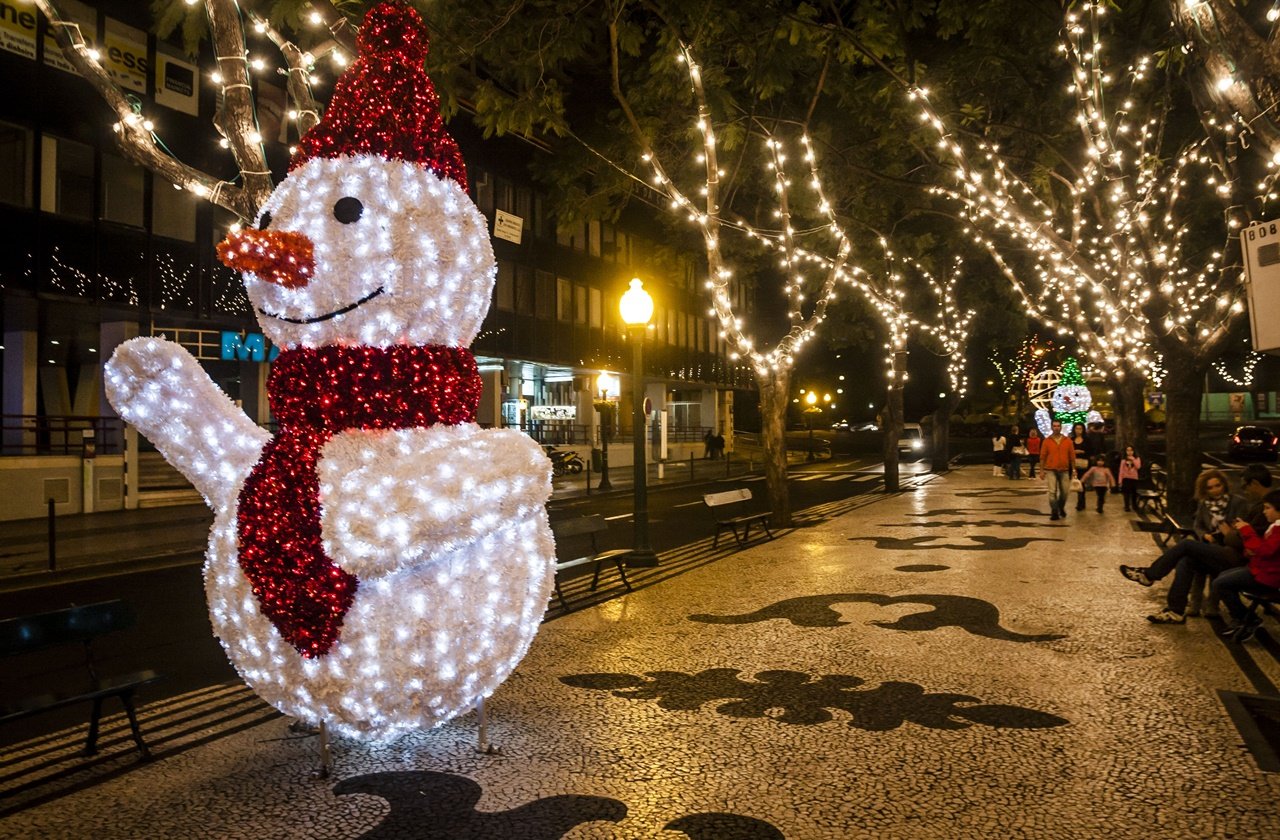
[641, 553]
[588, 476]
[605, 427]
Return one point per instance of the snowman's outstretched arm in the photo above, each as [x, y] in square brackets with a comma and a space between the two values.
[397, 498]
[159, 388]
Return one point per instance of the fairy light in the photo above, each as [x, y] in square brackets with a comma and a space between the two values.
[1117, 251]
[380, 563]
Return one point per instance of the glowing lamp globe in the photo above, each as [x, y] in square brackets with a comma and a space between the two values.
[636, 305]
[811, 398]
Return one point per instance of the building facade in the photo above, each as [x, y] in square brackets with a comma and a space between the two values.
[98, 250]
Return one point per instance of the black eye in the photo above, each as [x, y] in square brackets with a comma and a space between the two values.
[348, 210]
[264, 222]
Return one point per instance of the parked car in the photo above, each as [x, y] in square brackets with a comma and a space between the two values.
[1253, 442]
[912, 440]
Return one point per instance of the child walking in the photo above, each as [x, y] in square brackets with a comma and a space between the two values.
[1099, 479]
[1130, 464]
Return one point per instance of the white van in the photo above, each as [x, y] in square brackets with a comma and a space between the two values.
[912, 440]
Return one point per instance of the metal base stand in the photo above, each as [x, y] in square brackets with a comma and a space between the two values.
[482, 736]
[325, 770]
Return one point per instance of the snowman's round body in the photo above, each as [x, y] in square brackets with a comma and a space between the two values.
[420, 644]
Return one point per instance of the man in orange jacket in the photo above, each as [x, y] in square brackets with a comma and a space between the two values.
[1057, 461]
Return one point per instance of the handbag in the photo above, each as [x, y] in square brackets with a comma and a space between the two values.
[1077, 486]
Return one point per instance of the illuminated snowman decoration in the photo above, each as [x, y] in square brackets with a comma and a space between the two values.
[1062, 394]
[381, 563]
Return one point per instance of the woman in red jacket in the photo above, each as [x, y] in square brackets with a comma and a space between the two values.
[1262, 572]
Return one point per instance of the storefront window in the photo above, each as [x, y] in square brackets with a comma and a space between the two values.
[66, 177]
[123, 185]
[173, 211]
[15, 165]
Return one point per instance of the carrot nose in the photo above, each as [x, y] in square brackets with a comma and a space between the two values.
[284, 257]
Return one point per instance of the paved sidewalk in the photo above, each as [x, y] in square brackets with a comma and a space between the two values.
[945, 663]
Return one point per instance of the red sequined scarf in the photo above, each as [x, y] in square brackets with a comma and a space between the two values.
[315, 394]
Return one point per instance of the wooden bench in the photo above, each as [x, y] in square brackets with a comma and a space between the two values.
[587, 526]
[745, 521]
[1151, 499]
[75, 626]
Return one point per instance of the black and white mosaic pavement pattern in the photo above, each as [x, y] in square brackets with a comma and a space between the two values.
[981, 618]
[976, 542]
[917, 711]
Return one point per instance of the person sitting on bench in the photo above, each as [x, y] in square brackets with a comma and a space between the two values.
[1263, 571]
[1208, 553]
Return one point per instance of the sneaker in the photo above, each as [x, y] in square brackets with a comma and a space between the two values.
[1167, 616]
[1244, 633]
[1136, 575]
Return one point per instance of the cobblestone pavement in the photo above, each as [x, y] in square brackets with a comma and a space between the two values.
[945, 663]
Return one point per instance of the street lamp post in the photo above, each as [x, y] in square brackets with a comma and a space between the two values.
[607, 411]
[637, 310]
[811, 398]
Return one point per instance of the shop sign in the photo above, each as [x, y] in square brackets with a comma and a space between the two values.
[177, 83]
[554, 412]
[126, 55]
[18, 28]
[508, 227]
[247, 347]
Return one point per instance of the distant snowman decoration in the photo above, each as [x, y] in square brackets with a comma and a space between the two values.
[1062, 395]
[382, 563]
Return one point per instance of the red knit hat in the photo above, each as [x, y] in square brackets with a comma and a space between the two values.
[384, 104]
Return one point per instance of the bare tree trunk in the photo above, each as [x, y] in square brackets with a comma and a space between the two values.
[940, 459]
[1183, 394]
[773, 435]
[1131, 421]
[893, 422]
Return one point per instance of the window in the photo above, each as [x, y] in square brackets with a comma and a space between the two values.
[593, 238]
[545, 301]
[482, 183]
[15, 165]
[123, 186]
[622, 248]
[173, 211]
[673, 332]
[524, 290]
[504, 290]
[608, 245]
[564, 299]
[504, 196]
[580, 305]
[597, 316]
[66, 178]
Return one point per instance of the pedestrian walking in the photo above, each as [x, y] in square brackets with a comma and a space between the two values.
[1014, 453]
[998, 454]
[1057, 461]
[1078, 443]
[1099, 479]
[717, 446]
[708, 444]
[1033, 451]
[1130, 465]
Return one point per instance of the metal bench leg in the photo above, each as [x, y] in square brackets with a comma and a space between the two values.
[91, 745]
[560, 594]
[622, 574]
[737, 537]
[595, 579]
[764, 523]
[127, 700]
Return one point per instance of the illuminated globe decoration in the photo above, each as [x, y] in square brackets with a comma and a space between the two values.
[1062, 395]
[381, 563]
[1040, 391]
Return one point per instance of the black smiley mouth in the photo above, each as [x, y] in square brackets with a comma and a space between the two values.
[316, 319]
